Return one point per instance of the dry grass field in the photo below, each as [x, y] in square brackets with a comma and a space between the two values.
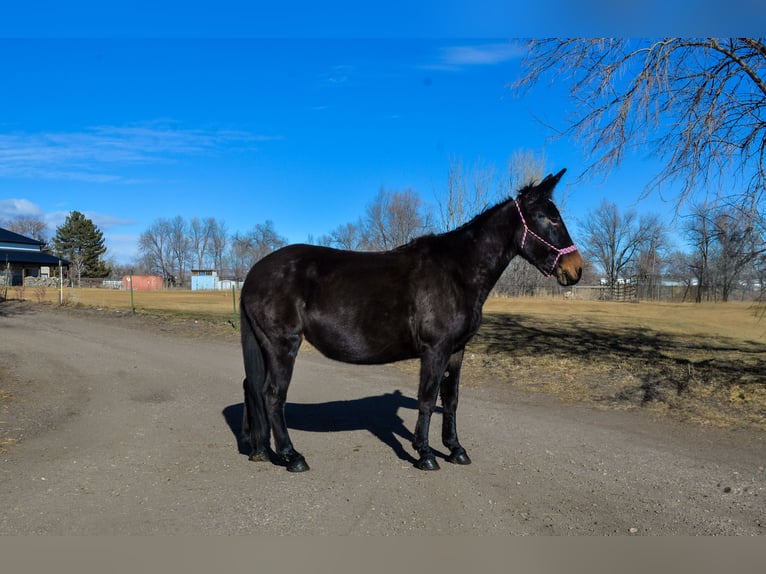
[700, 363]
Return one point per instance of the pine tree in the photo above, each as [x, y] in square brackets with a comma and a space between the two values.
[80, 241]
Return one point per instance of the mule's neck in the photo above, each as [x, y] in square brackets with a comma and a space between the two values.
[488, 243]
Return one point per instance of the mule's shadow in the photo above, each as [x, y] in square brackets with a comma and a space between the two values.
[378, 414]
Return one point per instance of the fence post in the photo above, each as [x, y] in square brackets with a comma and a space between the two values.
[132, 306]
[234, 305]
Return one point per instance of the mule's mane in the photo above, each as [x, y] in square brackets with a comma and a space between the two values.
[477, 221]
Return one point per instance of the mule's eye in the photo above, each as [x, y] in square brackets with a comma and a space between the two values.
[554, 219]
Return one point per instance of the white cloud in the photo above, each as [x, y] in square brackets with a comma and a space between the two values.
[454, 58]
[12, 208]
[121, 246]
[105, 221]
[100, 154]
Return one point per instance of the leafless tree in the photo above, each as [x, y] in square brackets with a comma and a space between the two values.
[345, 236]
[76, 267]
[699, 105]
[246, 249]
[394, 218]
[219, 238]
[239, 258]
[468, 193]
[739, 246]
[699, 230]
[726, 244]
[29, 226]
[200, 239]
[650, 259]
[179, 247]
[154, 245]
[265, 239]
[614, 240]
[525, 167]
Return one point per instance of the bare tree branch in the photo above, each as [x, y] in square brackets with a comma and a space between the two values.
[698, 104]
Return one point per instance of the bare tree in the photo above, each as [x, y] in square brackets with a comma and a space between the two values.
[345, 236]
[525, 167]
[520, 279]
[650, 259]
[614, 240]
[247, 249]
[29, 226]
[219, 238]
[239, 256]
[265, 239]
[726, 244]
[155, 249]
[677, 269]
[699, 230]
[200, 239]
[699, 104]
[467, 193]
[179, 247]
[738, 246]
[394, 218]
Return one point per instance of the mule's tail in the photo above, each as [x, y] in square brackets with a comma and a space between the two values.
[255, 422]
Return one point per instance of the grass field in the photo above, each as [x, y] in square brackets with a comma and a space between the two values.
[702, 363]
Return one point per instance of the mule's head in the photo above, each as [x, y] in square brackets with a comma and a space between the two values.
[543, 239]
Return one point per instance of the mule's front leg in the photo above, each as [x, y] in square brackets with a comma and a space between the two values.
[427, 460]
[431, 371]
[449, 393]
[292, 459]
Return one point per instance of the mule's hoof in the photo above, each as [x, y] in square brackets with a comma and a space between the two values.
[259, 456]
[459, 457]
[427, 463]
[298, 464]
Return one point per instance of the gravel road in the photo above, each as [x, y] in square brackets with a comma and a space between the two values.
[123, 428]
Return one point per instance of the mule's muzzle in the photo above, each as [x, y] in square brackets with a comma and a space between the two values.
[569, 269]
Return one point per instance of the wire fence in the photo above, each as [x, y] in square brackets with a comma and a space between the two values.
[634, 291]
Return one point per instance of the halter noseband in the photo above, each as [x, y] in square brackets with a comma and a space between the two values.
[559, 252]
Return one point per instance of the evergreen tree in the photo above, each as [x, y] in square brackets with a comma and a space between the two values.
[80, 241]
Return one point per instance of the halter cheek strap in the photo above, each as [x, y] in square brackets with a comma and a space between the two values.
[527, 231]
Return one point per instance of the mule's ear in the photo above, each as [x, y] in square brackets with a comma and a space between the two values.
[547, 185]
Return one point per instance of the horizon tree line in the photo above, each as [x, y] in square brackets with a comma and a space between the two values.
[725, 252]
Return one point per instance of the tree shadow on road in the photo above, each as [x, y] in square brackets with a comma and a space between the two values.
[378, 415]
[12, 307]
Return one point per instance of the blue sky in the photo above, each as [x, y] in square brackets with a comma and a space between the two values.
[300, 132]
[108, 120]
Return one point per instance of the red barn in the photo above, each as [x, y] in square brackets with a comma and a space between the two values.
[143, 282]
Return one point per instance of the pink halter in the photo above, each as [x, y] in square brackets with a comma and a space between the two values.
[559, 252]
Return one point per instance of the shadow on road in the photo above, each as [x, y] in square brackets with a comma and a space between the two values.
[11, 307]
[378, 414]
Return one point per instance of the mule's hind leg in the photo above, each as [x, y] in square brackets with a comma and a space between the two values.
[255, 424]
[281, 360]
[449, 392]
